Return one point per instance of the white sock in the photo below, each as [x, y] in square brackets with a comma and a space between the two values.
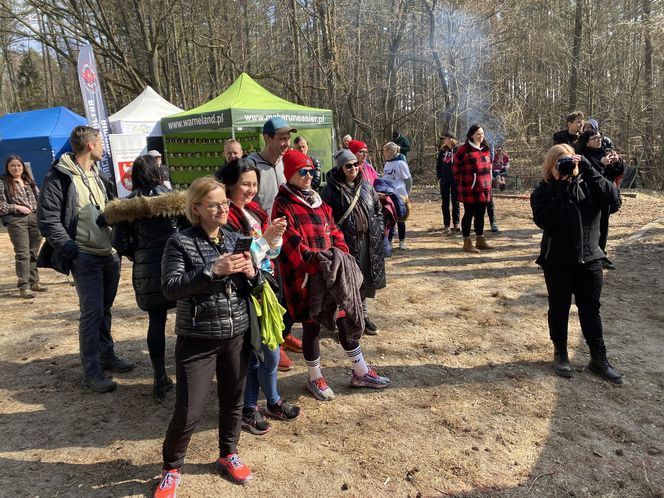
[314, 369]
[357, 361]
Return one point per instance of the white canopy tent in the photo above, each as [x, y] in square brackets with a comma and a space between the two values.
[142, 116]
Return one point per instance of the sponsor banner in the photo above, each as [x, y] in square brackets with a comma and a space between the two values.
[295, 118]
[208, 121]
[93, 100]
[125, 149]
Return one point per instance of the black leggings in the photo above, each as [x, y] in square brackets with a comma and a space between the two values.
[473, 210]
[157, 334]
[311, 342]
[448, 192]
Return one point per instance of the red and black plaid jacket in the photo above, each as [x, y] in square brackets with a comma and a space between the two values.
[309, 230]
[472, 173]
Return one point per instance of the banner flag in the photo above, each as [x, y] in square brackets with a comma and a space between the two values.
[93, 100]
[125, 149]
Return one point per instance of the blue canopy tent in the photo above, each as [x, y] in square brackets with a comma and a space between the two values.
[39, 137]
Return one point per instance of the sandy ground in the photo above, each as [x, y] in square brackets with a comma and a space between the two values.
[474, 409]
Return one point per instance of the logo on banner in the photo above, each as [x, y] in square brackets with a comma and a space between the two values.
[125, 174]
[89, 77]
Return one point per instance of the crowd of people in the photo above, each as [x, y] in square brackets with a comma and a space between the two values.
[268, 242]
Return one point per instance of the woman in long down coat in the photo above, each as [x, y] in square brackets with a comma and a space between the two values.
[311, 229]
[357, 212]
[142, 224]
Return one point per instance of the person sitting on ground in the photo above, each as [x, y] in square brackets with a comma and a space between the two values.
[357, 212]
[18, 209]
[212, 287]
[501, 166]
[246, 217]
[142, 223]
[567, 205]
[311, 229]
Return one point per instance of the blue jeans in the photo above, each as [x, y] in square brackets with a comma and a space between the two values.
[263, 375]
[96, 279]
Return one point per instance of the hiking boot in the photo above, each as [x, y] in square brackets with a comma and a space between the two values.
[468, 246]
[285, 363]
[100, 383]
[402, 245]
[26, 294]
[161, 388]
[283, 410]
[561, 365]
[115, 364]
[370, 327]
[481, 243]
[254, 422]
[494, 227]
[320, 389]
[369, 379]
[607, 264]
[234, 468]
[599, 365]
[168, 484]
[292, 343]
[38, 288]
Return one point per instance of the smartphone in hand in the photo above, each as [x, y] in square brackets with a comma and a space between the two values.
[243, 244]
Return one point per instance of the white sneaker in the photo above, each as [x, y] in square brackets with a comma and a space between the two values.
[402, 245]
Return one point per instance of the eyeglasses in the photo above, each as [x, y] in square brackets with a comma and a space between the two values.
[351, 165]
[217, 206]
[306, 171]
[598, 137]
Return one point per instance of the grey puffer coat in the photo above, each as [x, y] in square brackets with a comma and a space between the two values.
[339, 197]
[208, 307]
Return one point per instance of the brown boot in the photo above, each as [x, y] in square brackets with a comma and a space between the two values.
[481, 243]
[468, 245]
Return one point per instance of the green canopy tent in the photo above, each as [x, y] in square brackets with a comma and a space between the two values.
[194, 139]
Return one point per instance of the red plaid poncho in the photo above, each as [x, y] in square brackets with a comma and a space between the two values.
[472, 173]
[310, 229]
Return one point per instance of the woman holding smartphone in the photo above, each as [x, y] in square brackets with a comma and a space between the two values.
[241, 178]
[211, 286]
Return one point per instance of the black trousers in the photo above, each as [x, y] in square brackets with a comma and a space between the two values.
[473, 210]
[584, 282]
[491, 211]
[196, 362]
[604, 228]
[448, 192]
[311, 341]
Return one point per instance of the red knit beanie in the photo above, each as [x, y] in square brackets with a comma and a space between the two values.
[355, 145]
[294, 160]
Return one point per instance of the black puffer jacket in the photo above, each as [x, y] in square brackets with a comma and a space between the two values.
[339, 198]
[611, 171]
[208, 307]
[569, 214]
[142, 224]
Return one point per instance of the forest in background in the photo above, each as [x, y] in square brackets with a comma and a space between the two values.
[419, 66]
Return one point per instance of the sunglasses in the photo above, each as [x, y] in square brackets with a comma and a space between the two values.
[306, 171]
[351, 166]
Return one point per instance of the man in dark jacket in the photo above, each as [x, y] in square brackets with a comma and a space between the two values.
[402, 142]
[70, 217]
[574, 123]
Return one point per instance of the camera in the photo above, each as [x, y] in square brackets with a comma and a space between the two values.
[565, 165]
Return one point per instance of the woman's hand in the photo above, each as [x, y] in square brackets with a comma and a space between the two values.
[276, 229]
[22, 209]
[245, 265]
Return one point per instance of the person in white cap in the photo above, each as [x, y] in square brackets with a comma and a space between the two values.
[165, 172]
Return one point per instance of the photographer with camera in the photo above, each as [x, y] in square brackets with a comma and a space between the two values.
[609, 164]
[567, 205]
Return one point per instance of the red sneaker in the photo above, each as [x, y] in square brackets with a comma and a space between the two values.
[292, 343]
[168, 485]
[285, 363]
[234, 468]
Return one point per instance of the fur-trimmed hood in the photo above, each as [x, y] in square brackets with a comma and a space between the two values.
[168, 205]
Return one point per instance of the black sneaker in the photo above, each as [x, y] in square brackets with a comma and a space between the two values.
[253, 421]
[283, 410]
[370, 327]
[116, 364]
[100, 383]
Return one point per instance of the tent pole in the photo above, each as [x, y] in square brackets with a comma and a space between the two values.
[233, 132]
